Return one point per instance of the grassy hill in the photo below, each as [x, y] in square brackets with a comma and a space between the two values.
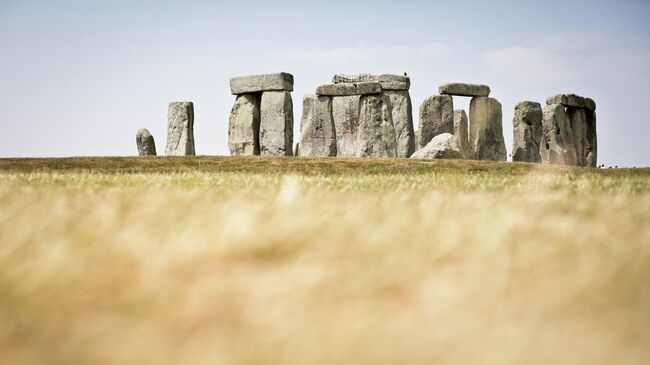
[204, 260]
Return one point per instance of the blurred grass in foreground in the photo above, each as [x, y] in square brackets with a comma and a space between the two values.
[284, 260]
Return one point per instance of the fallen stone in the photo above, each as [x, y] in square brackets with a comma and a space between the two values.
[376, 133]
[180, 129]
[345, 112]
[402, 115]
[387, 81]
[442, 146]
[257, 83]
[317, 135]
[461, 89]
[145, 142]
[527, 131]
[572, 100]
[486, 130]
[436, 117]
[557, 139]
[276, 124]
[461, 133]
[336, 90]
[244, 126]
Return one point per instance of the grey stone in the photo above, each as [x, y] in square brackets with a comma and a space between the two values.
[402, 114]
[557, 141]
[462, 134]
[464, 89]
[572, 100]
[244, 126]
[387, 81]
[486, 129]
[257, 83]
[145, 142]
[527, 132]
[367, 88]
[376, 133]
[317, 135]
[592, 141]
[436, 117]
[337, 90]
[180, 129]
[276, 124]
[345, 112]
[442, 146]
[578, 122]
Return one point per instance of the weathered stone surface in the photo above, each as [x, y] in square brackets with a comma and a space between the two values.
[367, 88]
[387, 81]
[257, 83]
[486, 129]
[145, 142]
[557, 140]
[345, 112]
[376, 133]
[464, 89]
[402, 114]
[441, 146]
[592, 141]
[276, 124]
[337, 90]
[527, 131]
[244, 126]
[180, 129]
[462, 134]
[572, 100]
[436, 117]
[578, 122]
[317, 135]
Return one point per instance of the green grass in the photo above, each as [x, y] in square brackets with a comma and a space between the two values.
[207, 260]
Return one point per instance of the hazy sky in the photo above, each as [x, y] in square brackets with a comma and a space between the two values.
[80, 77]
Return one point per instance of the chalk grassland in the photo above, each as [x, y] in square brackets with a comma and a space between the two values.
[212, 260]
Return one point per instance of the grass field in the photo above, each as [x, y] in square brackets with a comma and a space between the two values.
[215, 260]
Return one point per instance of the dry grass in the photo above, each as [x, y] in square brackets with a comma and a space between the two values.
[321, 261]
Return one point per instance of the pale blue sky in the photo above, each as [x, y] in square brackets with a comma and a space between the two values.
[80, 77]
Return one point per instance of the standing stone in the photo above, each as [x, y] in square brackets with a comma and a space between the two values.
[486, 130]
[461, 133]
[180, 129]
[376, 134]
[436, 117]
[345, 112]
[276, 124]
[592, 144]
[441, 146]
[146, 145]
[317, 135]
[557, 140]
[244, 126]
[527, 130]
[578, 122]
[402, 114]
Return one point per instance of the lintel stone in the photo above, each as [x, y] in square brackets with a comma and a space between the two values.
[462, 89]
[258, 83]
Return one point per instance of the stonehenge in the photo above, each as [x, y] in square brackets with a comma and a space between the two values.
[527, 131]
[261, 119]
[371, 115]
[145, 143]
[569, 131]
[485, 140]
[180, 129]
